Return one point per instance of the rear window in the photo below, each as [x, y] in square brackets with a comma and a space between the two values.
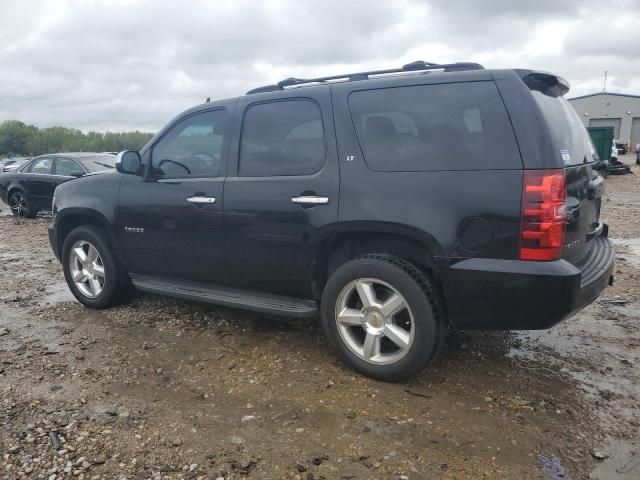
[457, 126]
[569, 134]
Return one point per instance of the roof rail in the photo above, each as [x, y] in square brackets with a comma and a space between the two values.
[416, 66]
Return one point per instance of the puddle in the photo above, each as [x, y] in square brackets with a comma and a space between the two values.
[601, 368]
[23, 329]
[622, 464]
[598, 349]
[57, 293]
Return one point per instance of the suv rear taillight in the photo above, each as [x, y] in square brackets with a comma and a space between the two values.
[543, 215]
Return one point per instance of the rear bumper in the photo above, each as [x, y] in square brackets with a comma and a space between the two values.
[521, 295]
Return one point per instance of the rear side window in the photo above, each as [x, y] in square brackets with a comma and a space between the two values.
[282, 139]
[568, 132]
[457, 126]
[67, 166]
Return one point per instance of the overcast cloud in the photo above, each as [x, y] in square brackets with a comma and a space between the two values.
[134, 64]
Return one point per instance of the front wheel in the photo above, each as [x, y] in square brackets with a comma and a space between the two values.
[90, 268]
[383, 317]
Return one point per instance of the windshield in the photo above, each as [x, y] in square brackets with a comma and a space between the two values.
[569, 134]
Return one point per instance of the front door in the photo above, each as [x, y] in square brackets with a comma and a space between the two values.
[170, 220]
[283, 193]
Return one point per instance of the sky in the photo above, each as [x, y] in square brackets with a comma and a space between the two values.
[134, 64]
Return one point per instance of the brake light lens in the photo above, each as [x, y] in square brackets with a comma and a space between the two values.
[543, 220]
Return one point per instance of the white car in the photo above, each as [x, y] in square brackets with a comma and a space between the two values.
[12, 163]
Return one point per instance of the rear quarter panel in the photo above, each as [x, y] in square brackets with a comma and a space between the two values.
[459, 214]
[9, 181]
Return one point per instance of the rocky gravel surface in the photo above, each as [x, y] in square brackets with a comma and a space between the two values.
[165, 389]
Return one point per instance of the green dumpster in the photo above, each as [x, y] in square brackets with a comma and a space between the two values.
[602, 138]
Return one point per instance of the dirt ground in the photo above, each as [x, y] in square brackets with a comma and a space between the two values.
[167, 389]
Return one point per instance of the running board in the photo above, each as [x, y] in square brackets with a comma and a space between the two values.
[229, 297]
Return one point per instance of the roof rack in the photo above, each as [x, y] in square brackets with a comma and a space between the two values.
[416, 66]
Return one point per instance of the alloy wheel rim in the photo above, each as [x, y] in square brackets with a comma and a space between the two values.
[87, 269]
[18, 205]
[374, 321]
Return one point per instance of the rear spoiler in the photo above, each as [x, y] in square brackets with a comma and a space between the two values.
[547, 83]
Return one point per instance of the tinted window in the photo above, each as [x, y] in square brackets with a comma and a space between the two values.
[66, 166]
[460, 126]
[282, 138]
[570, 135]
[42, 166]
[191, 148]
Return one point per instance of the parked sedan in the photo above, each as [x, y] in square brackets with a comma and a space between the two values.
[29, 189]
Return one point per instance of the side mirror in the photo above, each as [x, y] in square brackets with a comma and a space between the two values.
[129, 162]
[76, 173]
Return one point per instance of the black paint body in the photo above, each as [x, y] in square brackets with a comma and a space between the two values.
[462, 226]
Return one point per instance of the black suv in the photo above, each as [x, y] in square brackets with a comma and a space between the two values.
[397, 203]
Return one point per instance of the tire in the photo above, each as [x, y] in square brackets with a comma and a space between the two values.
[109, 288]
[410, 339]
[20, 205]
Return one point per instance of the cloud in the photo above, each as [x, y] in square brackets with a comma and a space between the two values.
[122, 64]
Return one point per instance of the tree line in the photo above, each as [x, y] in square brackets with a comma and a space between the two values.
[19, 139]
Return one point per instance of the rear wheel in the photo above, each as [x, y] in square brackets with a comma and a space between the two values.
[90, 268]
[382, 315]
[20, 205]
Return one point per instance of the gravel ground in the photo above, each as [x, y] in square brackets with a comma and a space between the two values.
[166, 389]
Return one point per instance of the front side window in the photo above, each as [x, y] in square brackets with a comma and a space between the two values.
[282, 138]
[457, 126]
[66, 166]
[41, 166]
[192, 148]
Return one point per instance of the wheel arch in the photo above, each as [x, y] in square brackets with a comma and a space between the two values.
[356, 239]
[14, 188]
[70, 219]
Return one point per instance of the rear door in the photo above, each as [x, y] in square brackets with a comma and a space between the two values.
[40, 183]
[584, 184]
[65, 169]
[282, 191]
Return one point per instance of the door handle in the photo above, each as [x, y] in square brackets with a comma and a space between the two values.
[310, 200]
[201, 200]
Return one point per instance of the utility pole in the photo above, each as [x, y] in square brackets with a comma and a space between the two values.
[604, 87]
